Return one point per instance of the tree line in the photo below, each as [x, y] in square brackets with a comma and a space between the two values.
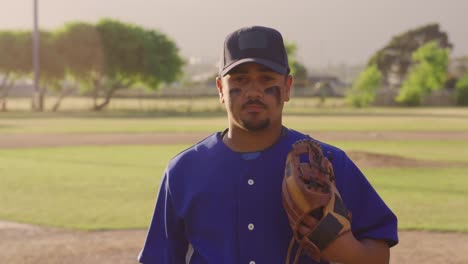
[100, 59]
[95, 59]
[415, 65]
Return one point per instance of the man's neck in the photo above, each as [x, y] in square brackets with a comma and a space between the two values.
[241, 140]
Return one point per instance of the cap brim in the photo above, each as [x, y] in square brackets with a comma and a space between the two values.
[272, 65]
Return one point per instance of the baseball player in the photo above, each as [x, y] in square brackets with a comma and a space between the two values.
[259, 192]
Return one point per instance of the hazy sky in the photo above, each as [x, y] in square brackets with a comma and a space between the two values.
[326, 32]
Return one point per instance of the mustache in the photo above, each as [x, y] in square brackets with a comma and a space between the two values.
[253, 102]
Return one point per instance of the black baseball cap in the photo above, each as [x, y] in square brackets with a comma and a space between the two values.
[258, 44]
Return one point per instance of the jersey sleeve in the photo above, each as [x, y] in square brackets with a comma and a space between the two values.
[371, 217]
[165, 241]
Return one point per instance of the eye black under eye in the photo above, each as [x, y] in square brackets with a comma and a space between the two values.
[234, 91]
[272, 90]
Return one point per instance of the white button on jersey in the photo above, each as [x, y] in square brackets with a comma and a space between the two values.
[251, 226]
[252, 262]
[250, 182]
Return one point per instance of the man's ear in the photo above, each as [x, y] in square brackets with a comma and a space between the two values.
[287, 91]
[219, 86]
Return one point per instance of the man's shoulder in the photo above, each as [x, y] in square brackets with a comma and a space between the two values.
[295, 135]
[197, 152]
[203, 146]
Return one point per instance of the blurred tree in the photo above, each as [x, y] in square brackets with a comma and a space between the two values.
[298, 70]
[15, 61]
[363, 91]
[80, 46]
[461, 90]
[112, 55]
[395, 59]
[428, 73]
[134, 56]
[52, 66]
[99, 58]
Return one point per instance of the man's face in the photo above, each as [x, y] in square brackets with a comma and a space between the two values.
[254, 96]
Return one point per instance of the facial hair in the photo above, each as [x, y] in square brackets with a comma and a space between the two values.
[257, 125]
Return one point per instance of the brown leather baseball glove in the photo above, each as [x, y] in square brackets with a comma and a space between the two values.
[316, 212]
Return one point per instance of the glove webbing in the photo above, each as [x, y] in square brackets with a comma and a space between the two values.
[321, 235]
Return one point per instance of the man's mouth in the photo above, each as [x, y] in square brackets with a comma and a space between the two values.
[254, 105]
[254, 108]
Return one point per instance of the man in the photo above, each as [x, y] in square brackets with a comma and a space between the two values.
[220, 200]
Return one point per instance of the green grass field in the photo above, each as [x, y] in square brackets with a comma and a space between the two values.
[425, 199]
[115, 187]
[82, 187]
[323, 120]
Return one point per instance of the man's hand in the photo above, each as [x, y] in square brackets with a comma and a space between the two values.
[347, 250]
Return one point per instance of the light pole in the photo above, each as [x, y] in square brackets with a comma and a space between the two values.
[35, 99]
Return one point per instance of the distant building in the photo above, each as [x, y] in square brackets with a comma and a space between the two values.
[322, 85]
[458, 67]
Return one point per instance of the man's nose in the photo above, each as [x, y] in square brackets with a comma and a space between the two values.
[254, 90]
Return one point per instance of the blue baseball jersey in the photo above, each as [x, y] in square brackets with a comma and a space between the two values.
[219, 206]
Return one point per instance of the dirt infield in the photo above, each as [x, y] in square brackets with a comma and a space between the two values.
[28, 244]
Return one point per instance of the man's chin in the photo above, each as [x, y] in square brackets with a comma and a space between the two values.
[256, 126]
